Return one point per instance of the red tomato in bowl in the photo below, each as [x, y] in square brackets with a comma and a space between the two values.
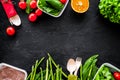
[116, 75]
[63, 1]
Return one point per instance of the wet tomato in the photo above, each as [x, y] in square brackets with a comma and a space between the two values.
[10, 31]
[33, 4]
[38, 12]
[32, 17]
[22, 5]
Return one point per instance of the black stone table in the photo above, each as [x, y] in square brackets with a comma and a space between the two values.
[69, 36]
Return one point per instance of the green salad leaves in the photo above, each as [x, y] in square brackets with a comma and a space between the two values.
[110, 9]
[104, 74]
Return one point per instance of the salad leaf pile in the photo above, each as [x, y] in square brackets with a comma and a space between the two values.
[104, 74]
[52, 7]
[110, 9]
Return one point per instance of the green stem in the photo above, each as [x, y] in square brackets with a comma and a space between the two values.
[56, 65]
[51, 69]
[46, 75]
[41, 73]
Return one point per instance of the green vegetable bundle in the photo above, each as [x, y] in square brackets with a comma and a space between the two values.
[110, 9]
[89, 68]
[51, 72]
[104, 74]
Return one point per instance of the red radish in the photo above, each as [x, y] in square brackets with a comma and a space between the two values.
[22, 5]
[116, 75]
[32, 17]
[63, 1]
[10, 31]
[33, 4]
[38, 12]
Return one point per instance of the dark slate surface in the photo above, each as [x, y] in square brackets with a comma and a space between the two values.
[70, 35]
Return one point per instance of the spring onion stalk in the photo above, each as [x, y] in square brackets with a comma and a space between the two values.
[51, 70]
[46, 75]
[49, 77]
[32, 75]
[60, 74]
[28, 76]
[41, 73]
[57, 73]
[35, 68]
[56, 64]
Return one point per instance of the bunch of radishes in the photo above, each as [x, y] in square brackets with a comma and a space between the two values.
[32, 5]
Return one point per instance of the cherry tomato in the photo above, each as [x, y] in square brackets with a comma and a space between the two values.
[22, 5]
[10, 31]
[63, 1]
[33, 4]
[116, 75]
[38, 12]
[32, 17]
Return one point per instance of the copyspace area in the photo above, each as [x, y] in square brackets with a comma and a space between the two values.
[69, 36]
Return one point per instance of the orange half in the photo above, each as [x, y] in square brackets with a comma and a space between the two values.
[80, 6]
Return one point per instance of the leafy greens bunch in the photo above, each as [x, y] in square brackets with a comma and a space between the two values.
[110, 9]
[104, 74]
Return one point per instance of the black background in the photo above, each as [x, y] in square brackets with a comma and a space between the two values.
[69, 36]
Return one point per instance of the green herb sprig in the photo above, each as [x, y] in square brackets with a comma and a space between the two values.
[104, 74]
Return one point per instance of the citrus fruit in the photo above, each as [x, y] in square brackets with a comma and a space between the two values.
[80, 6]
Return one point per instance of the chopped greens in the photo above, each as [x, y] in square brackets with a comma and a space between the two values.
[104, 74]
[110, 9]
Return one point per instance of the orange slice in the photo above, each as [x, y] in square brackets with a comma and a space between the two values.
[80, 6]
